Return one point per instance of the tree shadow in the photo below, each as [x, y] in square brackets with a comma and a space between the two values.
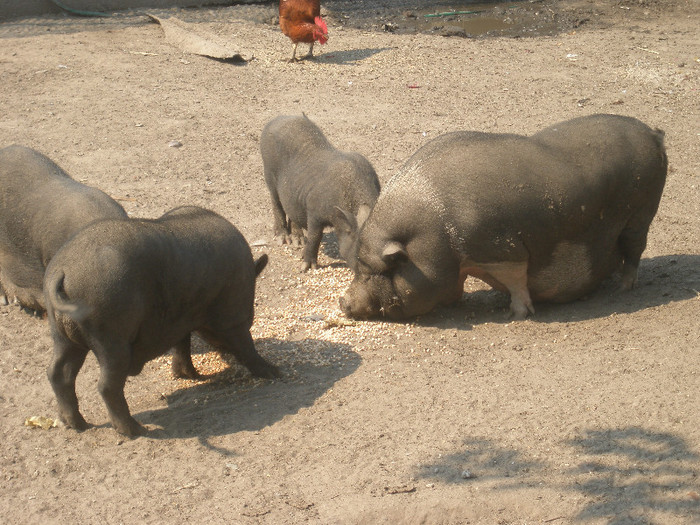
[662, 280]
[233, 401]
[632, 471]
[625, 475]
[479, 458]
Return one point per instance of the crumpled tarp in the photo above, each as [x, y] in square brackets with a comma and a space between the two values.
[191, 39]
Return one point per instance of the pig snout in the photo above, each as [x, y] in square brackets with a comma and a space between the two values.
[345, 306]
[373, 298]
[357, 303]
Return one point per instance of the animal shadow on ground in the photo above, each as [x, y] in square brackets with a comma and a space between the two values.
[662, 280]
[349, 56]
[223, 405]
[630, 471]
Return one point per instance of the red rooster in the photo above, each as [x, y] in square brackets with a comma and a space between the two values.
[301, 21]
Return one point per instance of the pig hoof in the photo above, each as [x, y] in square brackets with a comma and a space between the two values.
[185, 372]
[3, 300]
[131, 429]
[629, 277]
[519, 312]
[266, 371]
[628, 282]
[306, 266]
[77, 423]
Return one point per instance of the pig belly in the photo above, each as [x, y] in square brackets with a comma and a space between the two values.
[481, 274]
[571, 272]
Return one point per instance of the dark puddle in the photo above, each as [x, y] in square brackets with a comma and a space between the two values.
[462, 18]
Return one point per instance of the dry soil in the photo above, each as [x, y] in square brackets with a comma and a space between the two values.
[584, 413]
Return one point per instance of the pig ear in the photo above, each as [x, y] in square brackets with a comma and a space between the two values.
[260, 264]
[393, 251]
[345, 221]
[362, 215]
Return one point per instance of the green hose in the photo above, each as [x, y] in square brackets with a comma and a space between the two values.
[78, 12]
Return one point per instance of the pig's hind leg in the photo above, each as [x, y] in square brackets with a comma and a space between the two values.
[115, 362]
[68, 358]
[182, 366]
[280, 224]
[238, 341]
[632, 242]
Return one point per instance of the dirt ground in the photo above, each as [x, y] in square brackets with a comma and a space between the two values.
[585, 413]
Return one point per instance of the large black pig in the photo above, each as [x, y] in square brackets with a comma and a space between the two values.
[308, 178]
[41, 207]
[131, 290]
[545, 217]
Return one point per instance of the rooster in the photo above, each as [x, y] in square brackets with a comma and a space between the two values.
[301, 21]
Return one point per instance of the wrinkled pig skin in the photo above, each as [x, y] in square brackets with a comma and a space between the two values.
[131, 290]
[545, 217]
[308, 180]
[41, 207]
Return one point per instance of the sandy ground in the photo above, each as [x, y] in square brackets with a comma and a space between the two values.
[584, 413]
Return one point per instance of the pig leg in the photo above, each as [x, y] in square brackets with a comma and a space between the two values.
[68, 358]
[280, 227]
[313, 243]
[238, 341]
[632, 242]
[182, 366]
[512, 276]
[296, 237]
[114, 367]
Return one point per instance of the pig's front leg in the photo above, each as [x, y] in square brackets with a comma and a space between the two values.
[314, 234]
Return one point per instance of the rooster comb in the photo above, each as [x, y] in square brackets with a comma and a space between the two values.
[320, 22]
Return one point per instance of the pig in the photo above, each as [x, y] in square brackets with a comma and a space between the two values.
[308, 178]
[544, 218]
[131, 290]
[41, 207]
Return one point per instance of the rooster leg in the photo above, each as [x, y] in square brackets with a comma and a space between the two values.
[294, 53]
[310, 54]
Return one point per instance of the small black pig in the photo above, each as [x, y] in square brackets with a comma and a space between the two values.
[41, 207]
[131, 290]
[308, 179]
